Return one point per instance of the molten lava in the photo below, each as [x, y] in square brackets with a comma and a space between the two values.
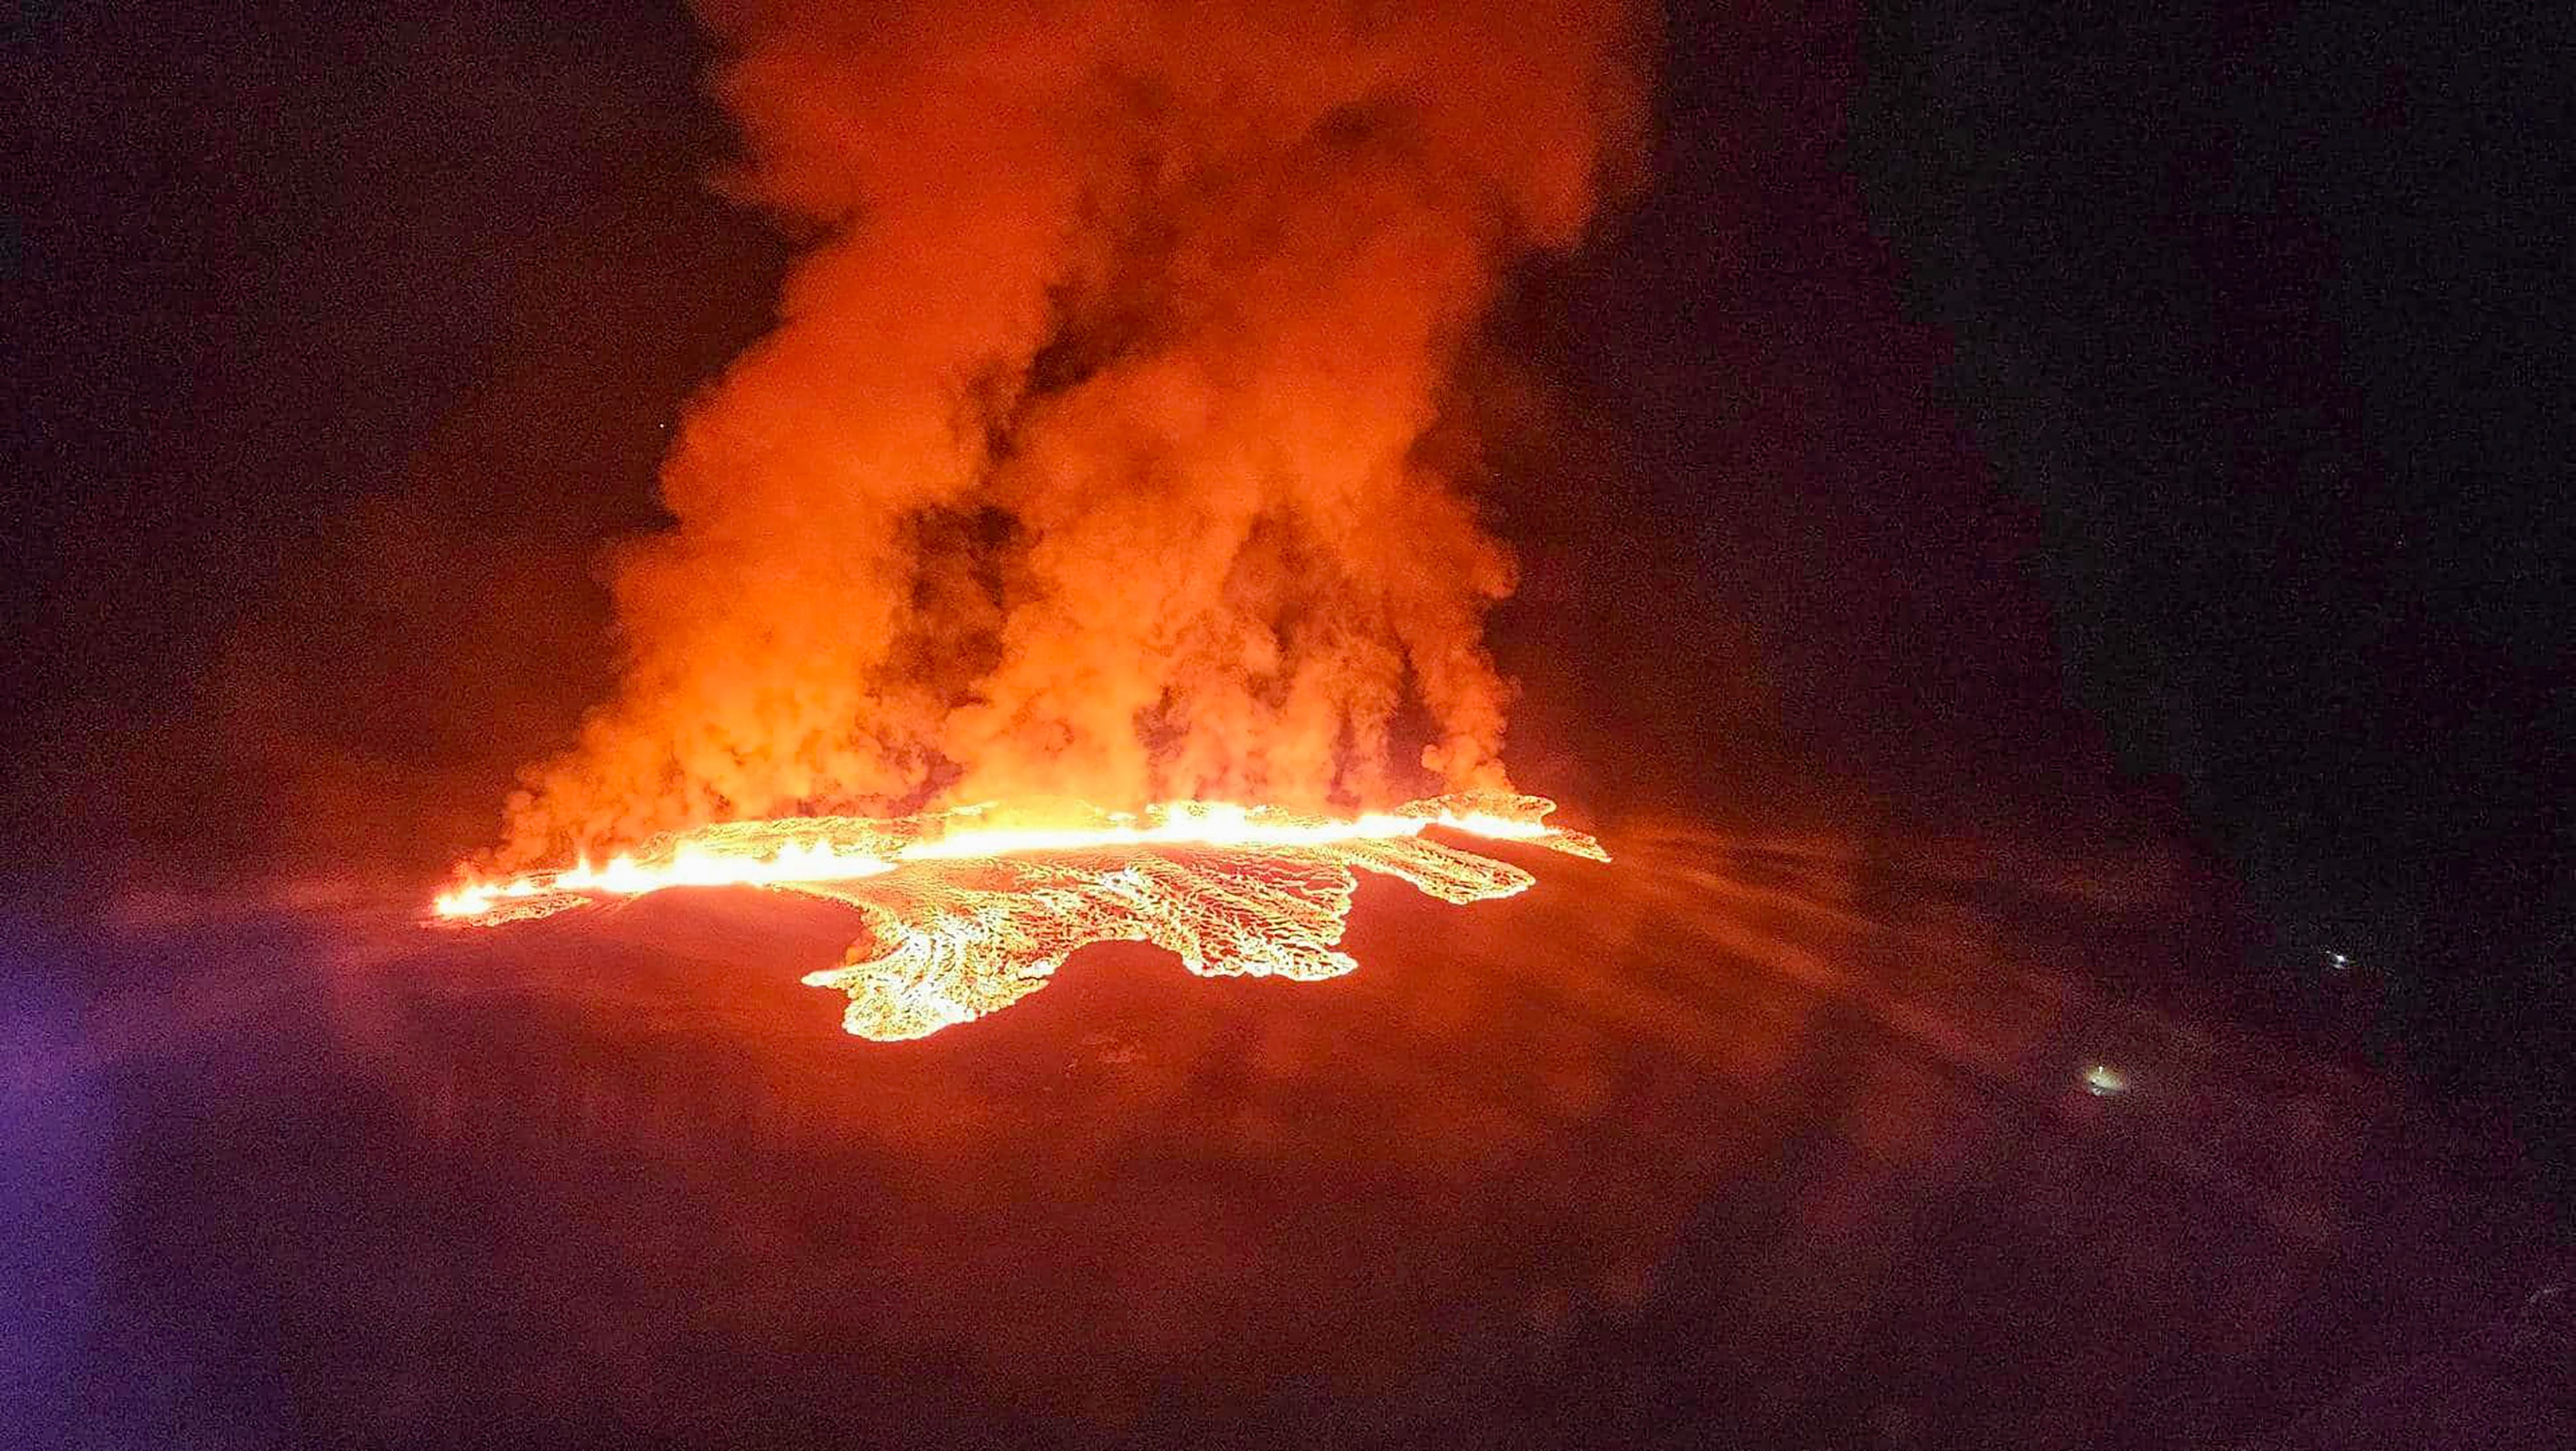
[981, 905]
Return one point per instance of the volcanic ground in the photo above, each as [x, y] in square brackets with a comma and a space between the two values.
[1771, 1139]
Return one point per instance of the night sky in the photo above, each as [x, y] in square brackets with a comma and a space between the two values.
[2163, 428]
[2266, 308]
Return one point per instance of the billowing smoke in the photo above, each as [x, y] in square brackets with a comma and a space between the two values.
[1088, 454]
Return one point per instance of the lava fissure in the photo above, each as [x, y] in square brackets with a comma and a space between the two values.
[965, 918]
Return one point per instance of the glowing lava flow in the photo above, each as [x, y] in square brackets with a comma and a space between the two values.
[981, 905]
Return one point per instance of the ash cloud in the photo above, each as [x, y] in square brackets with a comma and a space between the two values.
[1087, 454]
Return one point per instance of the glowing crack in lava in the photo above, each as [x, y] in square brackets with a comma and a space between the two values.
[968, 911]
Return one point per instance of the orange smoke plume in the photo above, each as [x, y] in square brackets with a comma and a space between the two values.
[1083, 458]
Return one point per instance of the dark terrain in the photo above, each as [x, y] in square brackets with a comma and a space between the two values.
[1772, 1139]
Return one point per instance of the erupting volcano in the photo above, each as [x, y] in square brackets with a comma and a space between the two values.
[1109, 447]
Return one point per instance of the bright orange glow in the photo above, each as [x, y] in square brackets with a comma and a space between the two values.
[1112, 438]
[984, 903]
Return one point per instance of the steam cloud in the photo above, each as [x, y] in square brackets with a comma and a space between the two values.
[1086, 457]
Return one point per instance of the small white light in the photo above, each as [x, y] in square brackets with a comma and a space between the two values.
[2102, 1080]
[2338, 961]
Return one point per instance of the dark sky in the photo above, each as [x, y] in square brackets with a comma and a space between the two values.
[344, 352]
[1995, 412]
[2267, 308]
